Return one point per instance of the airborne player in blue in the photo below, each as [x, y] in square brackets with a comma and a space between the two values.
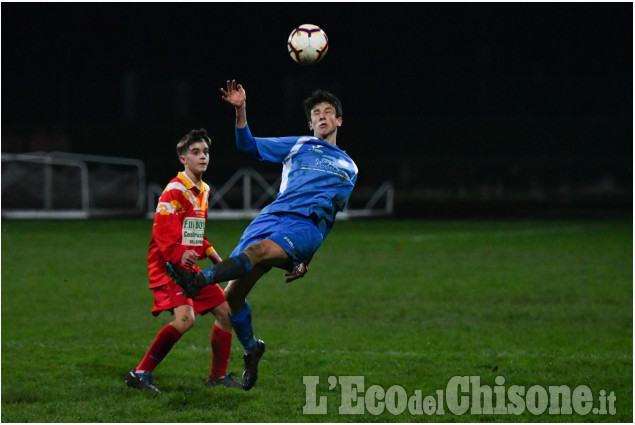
[317, 181]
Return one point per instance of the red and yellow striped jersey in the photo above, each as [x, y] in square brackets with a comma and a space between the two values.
[179, 225]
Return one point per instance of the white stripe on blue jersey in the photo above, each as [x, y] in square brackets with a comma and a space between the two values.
[317, 177]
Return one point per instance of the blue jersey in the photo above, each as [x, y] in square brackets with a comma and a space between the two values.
[317, 177]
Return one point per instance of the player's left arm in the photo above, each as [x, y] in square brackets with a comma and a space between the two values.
[210, 251]
[213, 255]
[272, 149]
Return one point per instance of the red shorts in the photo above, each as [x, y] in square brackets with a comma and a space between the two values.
[170, 296]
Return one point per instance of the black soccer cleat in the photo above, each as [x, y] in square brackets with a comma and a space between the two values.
[191, 282]
[140, 381]
[226, 381]
[251, 359]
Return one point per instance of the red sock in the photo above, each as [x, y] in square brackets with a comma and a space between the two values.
[221, 348]
[163, 343]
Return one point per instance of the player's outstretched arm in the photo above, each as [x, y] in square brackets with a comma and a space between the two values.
[235, 95]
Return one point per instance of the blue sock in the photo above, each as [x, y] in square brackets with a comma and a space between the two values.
[241, 323]
[231, 268]
[209, 274]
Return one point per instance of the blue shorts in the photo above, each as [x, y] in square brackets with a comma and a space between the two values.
[297, 235]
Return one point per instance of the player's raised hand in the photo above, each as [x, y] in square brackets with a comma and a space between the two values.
[234, 94]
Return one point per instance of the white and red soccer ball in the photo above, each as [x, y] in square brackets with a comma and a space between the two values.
[307, 44]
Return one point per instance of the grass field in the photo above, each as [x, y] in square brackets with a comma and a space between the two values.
[407, 303]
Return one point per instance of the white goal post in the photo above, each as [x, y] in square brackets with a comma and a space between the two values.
[61, 185]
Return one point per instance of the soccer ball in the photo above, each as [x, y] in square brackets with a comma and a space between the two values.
[307, 44]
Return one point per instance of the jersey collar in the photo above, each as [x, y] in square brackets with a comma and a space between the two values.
[189, 185]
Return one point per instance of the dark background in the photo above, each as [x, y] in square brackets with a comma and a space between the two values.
[469, 109]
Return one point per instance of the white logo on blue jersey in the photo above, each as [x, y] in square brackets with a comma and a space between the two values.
[317, 178]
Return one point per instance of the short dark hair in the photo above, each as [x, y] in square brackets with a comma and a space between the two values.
[190, 138]
[319, 96]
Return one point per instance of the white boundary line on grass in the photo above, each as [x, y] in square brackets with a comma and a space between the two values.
[501, 234]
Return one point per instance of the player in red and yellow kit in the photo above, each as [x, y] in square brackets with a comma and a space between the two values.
[178, 236]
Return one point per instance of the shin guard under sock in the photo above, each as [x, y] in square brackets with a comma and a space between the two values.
[243, 328]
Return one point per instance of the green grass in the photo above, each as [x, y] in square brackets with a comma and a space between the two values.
[409, 303]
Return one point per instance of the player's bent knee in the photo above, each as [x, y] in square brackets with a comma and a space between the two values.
[221, 310]
[183, 322]
[221, 313]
